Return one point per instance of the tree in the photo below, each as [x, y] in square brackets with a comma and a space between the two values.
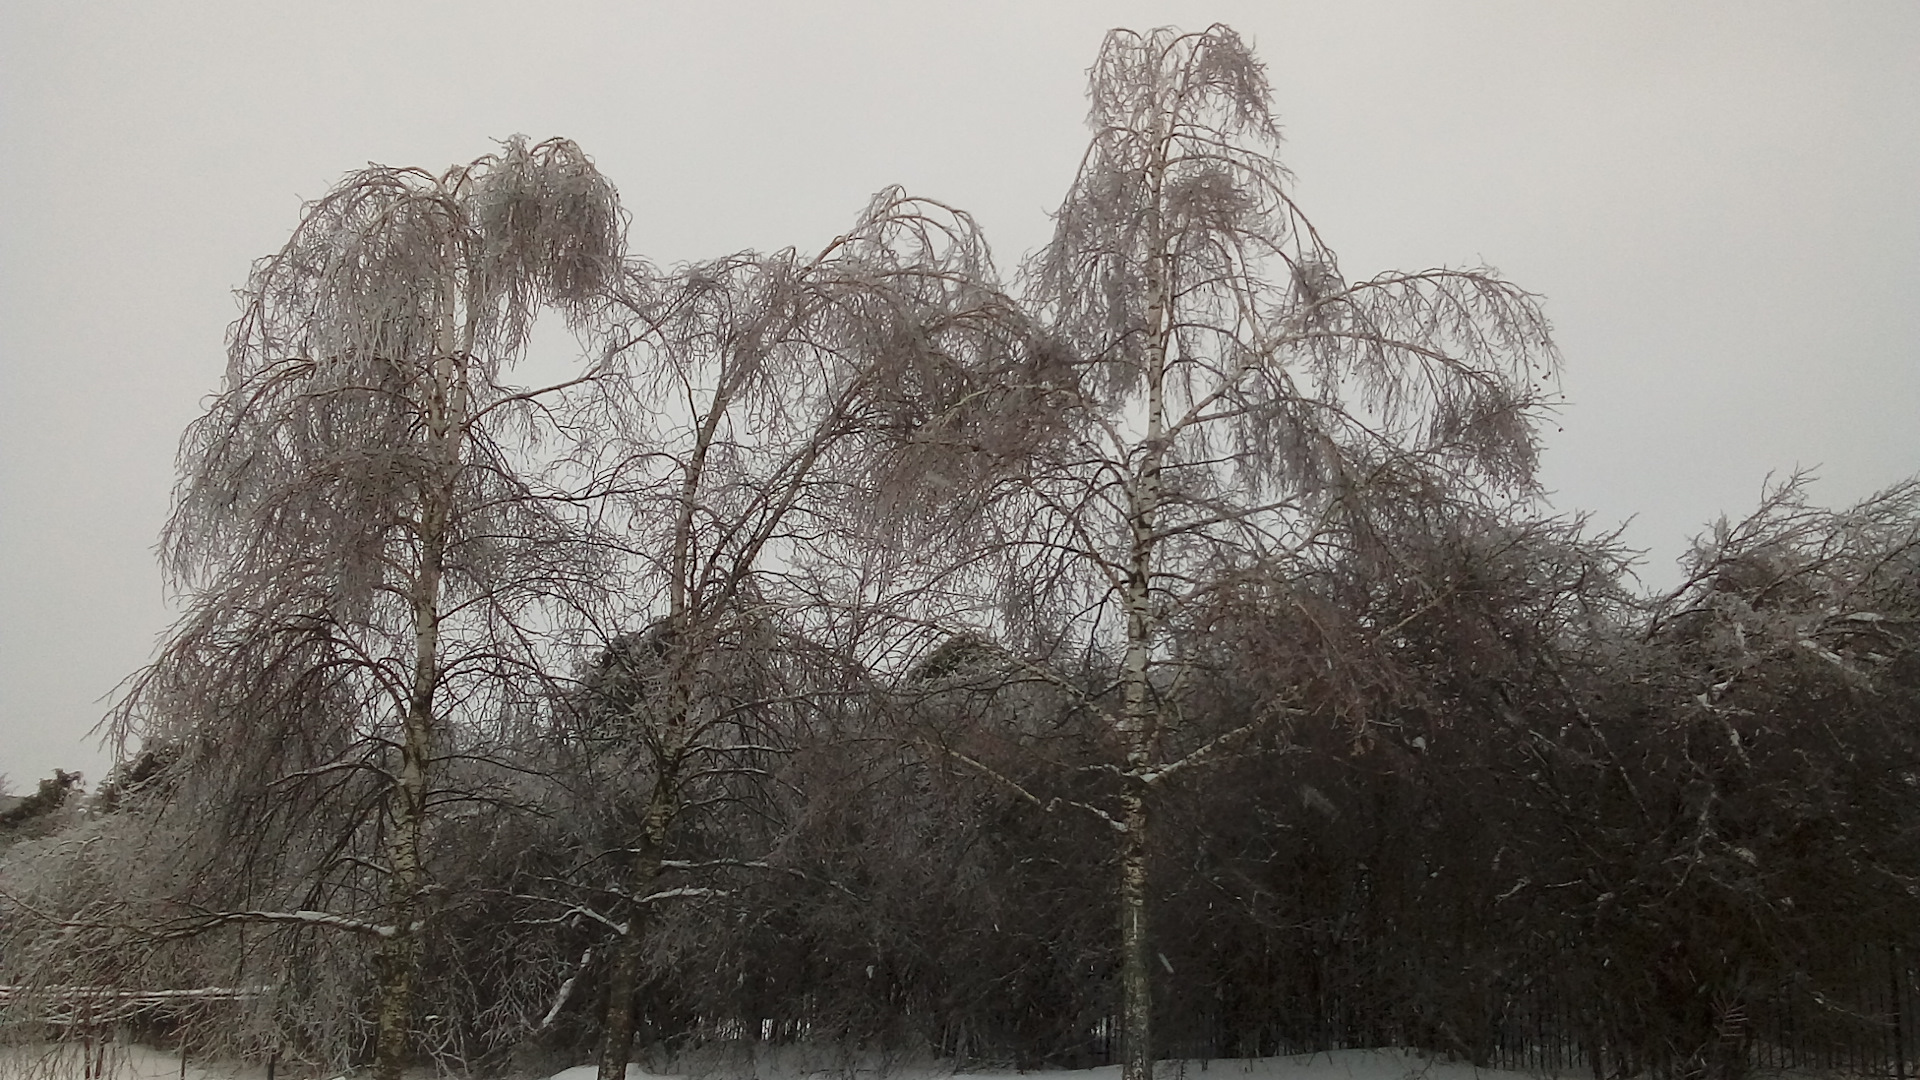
[1221, 399]
[371, 564]
[46, 799]
[766, 390]
[1765, 713]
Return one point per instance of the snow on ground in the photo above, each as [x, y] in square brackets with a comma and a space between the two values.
[125, 1063]
[1336, 1065]
[142, 1063]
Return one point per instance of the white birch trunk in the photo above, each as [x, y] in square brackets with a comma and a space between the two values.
[1139, 713]
[397, 964]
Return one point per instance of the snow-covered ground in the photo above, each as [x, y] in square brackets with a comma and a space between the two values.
[140, 1063]
[1337, 1065]
[126, 1063]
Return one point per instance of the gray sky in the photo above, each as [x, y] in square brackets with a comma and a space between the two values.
[1720, 201]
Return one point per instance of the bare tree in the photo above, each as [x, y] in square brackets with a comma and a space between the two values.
[372, 562]
[767, 392]
[1222, 397]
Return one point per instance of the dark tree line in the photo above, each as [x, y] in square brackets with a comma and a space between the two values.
[1515, 813]
[1162, 655]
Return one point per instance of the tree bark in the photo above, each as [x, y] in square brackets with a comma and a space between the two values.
[397, 964]
[617, 1039]
[1136, 1011]
[1140, 714]
[616, 1047]
[399, 957]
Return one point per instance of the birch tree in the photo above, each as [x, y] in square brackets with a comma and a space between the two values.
[1228, 399]
[765, 393]
[370, 563]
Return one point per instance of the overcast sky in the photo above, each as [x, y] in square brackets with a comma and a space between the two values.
[1719, 201]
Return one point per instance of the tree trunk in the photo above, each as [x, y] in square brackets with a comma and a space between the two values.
[1141, 723]
[1136, 1009]
[616, 1047]
[394, 966]
[1139, 712]
[399, 957]
[397, 964]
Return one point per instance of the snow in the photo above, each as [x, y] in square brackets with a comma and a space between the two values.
[142, 1063]
[126, 1063]
[1334, 1065]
